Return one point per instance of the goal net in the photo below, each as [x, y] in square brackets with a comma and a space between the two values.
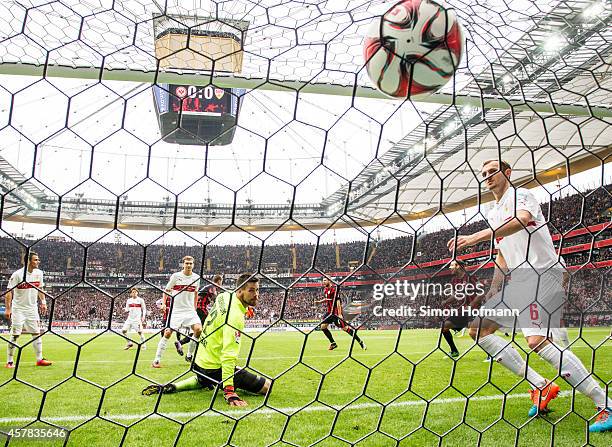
[248, 136]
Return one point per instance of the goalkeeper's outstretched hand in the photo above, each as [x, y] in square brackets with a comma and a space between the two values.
[232, 398]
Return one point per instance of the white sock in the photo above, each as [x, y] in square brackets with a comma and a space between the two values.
[504, 353]
[161, 347]
[10, 349]
[142, 339]
[574, 372]
[191, 347]
[37, 344]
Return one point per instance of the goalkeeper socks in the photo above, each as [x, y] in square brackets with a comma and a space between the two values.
[188, 384]
[573, 371]
[10, 349]
[505, 354]
[37, 345]
[449, 339]
[161, 347]
[328, 334]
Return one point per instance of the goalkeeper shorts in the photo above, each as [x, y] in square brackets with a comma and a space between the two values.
[243, 379]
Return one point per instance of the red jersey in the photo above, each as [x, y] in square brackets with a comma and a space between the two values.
[331, 300]
[469, 294]
[206, 296]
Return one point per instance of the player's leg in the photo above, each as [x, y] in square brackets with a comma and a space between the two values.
[197, 330]
[32, 325]
[38, 351]
[560, 336]
[571, 368]
[124, 331]
[128, 343]
[349, 330]
[178, 345]
[483, 332]
[252, 383]
[328, 334]
[161, 347]
[448, 336]
[186, 339]
[143, 345]
[14, 333]
[202, 379]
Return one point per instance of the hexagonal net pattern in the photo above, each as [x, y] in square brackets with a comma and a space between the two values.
[247, 136]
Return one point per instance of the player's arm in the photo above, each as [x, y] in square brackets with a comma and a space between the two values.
[228, 358]
[126, 307]
[338, 307]
[322, 300]
[43, 300]
[499, 275]
[518, 223]
[8, 300]
[144, 309]
[167, 292]
[42, 297]
[195, 294]
[566, 280]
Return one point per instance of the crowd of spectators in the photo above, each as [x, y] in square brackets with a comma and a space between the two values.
[109, 268]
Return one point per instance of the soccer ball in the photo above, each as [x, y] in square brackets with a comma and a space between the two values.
[414, 48]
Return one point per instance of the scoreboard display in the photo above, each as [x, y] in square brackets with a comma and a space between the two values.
[196, 115]
[206, 100]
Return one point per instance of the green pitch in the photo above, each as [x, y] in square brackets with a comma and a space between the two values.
[318, 398]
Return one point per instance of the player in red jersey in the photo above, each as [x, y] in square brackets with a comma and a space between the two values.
[207, 296]
[334, 315]
[469, 298]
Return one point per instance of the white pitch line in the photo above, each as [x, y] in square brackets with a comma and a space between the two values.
[269, 411]
[357, 353]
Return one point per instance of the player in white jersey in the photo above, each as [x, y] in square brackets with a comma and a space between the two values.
[21, 301]
[181, 294]
[523, 240]
[136, 309]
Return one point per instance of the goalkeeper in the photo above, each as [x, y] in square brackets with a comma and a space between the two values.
[215, 361]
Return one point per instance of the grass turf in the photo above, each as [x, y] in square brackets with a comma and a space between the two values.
[402, 388]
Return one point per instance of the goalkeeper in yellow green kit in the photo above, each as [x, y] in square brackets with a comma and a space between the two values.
[215, 361]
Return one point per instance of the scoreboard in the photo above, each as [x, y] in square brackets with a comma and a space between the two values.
[194, 115]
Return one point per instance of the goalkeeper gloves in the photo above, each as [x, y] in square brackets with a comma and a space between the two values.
[232, 398]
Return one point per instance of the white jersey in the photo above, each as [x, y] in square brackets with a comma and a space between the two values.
[136, 307]
[25, 293]
[531, 247]
[183, 288]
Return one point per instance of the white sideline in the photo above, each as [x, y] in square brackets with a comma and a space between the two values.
[269, 411]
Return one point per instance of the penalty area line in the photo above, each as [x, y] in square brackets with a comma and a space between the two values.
[268, 411]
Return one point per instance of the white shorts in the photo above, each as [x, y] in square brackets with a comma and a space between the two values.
[180, 320]
[24, 322]
[539, 304]
[134, 325]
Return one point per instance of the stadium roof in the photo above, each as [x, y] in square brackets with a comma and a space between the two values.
[534, 88]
